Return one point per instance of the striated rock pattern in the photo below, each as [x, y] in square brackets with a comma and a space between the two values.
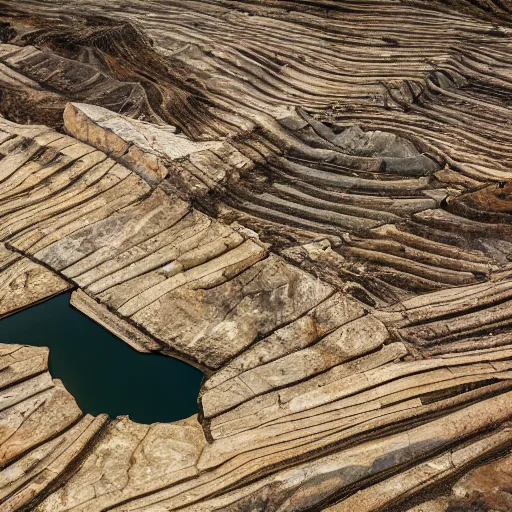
[24, 282]
[310, 202]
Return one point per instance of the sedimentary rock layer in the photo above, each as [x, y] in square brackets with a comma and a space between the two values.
[310, 201]
[24, 282]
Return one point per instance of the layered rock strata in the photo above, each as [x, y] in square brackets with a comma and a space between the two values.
[308, 201]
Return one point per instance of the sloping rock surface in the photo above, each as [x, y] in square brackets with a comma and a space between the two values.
[309, 201]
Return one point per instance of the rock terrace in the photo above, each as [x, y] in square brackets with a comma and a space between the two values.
[310, 202]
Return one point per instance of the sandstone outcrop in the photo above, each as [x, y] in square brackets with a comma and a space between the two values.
[310, 202]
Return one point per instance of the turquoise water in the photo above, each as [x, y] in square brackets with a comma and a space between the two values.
[104, 374]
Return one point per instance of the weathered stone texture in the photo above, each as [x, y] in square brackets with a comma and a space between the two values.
[311, 202]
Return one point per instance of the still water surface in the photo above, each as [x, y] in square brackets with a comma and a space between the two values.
[102, 372]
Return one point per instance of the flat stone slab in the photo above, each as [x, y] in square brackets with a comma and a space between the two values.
[24, 282]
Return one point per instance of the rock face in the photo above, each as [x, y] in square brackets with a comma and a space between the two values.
[309, 201]
[484, 488]
[47, 81]
[24, 282]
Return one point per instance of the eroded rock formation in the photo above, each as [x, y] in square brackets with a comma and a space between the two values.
[309, 201]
